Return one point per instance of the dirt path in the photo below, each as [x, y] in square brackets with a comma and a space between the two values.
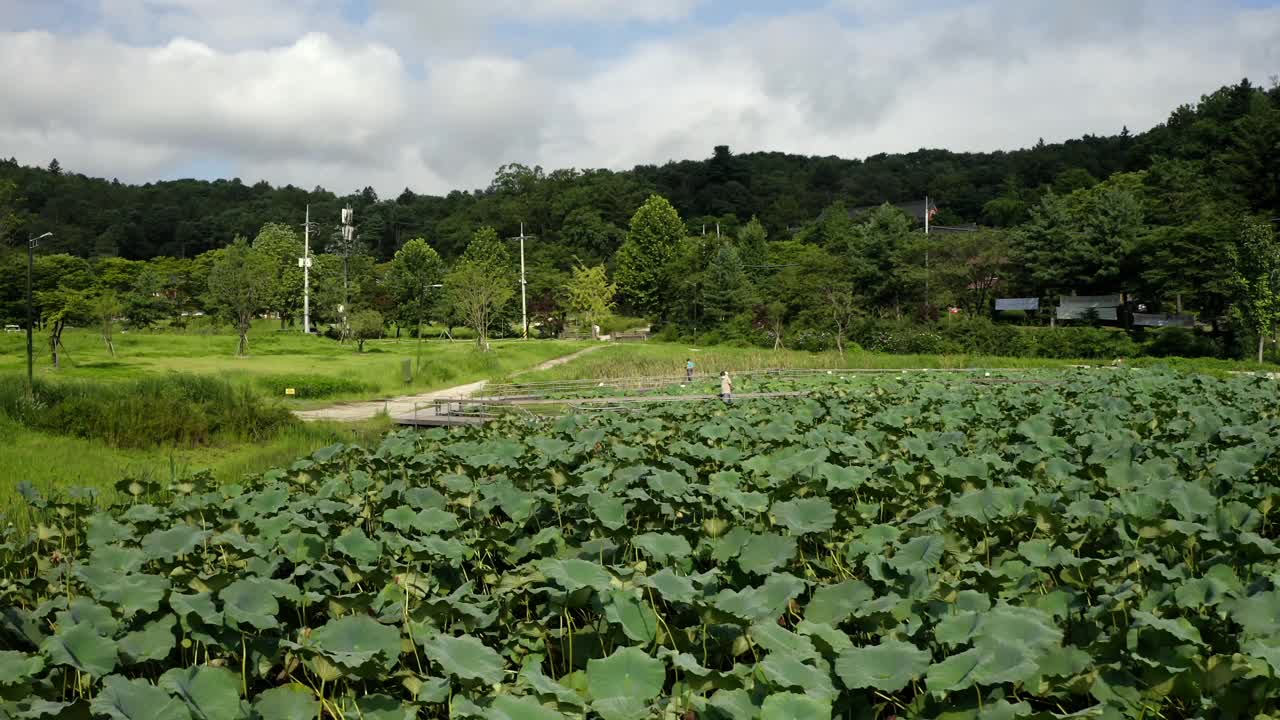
[557, 362]
[406, 405]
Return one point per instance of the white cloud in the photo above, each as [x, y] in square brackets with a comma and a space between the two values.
[422, 96]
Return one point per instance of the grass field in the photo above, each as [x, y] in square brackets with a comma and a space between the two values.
[278, 359]
[277, 356]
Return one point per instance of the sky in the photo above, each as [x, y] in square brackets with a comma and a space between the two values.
[434, 95]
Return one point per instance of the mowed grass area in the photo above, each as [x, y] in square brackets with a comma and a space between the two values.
[286, 358]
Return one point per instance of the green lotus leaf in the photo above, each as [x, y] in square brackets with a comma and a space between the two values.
[17, 667]
[843, 478]
[833, 604]
[834, 641]
[113, 560]
[672, 587]
[872, 541]
[508, 707]
[1258, 614]
[518, 504]
[765, 553]
[34, 709]
[667, 483]
[466, 657]
[1219, 585]
[627, 673]
[287, 702]
[806, 515]
[779, 589]
[400, 518]
[776, 639]
[123, 699]
[1179, 628]
[153, 642]
[181, 539]
[199, 604]
[633, 614]
[621, 708]
[609, 510]
[918, 554]
[301, 547]
[663, 546]
[889, 666]
[81, 647]
[954, 673]
[1006, 663]
[735, 705]
[790, 706]
[786, 671]
[103, 530]
[435, 520]
[354, 640]
[83, 611]
[749, 604]
[576, 574]
[531, 675]
[210, 693]
[356, 545]
[382, 707]
[250, 602]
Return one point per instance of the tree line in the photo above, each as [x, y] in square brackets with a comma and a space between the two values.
[756, 246]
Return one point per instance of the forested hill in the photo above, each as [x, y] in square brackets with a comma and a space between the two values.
[1233, 135]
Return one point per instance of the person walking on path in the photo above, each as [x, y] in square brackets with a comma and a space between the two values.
[726, 387]
[688, 369]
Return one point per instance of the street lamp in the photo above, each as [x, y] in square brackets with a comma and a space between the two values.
[31, 246]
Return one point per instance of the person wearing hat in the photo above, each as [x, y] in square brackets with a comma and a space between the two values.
[726, 387]
[688, 369]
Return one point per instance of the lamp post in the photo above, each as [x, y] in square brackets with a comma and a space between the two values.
[31, 247]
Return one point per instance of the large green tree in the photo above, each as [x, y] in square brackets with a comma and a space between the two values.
[482, 283]
[413, 277]
[1257, 269]
[590, 294]
[240, 287]
[281, 247]
[655, 232]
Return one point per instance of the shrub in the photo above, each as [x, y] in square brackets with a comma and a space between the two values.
[311, 386]
[1180, 342]
[184, 410]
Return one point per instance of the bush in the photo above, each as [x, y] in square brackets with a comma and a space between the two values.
[1180, 342]
[311, 386]
[183, 410]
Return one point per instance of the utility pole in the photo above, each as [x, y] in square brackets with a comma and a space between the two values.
[31, 263]
[927, 295]
[305, 263]
[348, 242]
[524, 303]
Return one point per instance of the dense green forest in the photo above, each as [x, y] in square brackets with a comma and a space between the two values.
[762, 246]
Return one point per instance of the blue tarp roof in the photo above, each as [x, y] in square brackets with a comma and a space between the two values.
[1017, 304]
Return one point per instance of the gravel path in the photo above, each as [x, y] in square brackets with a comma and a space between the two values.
[406, 405]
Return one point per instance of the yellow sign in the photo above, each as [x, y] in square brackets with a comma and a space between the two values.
[290, 391]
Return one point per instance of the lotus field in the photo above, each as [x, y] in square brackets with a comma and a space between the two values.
[1091, 545]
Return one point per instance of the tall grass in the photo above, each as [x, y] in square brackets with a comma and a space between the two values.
[174, 409]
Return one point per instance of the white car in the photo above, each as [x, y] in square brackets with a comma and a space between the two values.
[12, 328]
